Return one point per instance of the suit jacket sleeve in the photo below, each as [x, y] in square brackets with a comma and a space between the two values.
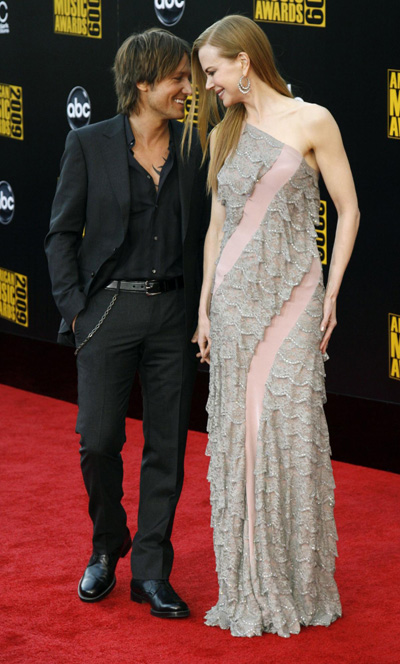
[67, 224]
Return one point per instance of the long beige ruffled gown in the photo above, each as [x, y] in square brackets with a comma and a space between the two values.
[270, 471]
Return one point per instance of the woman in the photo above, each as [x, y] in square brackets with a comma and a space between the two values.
[264, 326]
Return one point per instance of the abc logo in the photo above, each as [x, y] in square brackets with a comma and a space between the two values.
[169, 12]
[78, 108]
[7, 203]
[3, 12]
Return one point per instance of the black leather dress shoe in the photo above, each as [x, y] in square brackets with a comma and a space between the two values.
[164, 601]
[99, 579]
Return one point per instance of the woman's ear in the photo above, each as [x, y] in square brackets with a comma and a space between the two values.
[244, 61]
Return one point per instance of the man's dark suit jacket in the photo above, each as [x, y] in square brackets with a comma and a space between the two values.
[90, 213]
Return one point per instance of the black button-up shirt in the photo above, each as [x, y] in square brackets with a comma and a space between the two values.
[153, 245]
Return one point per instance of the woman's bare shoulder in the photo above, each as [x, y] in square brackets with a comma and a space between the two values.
[314, 116]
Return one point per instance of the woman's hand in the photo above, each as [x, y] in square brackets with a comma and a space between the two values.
[329, 321]
[202, 336]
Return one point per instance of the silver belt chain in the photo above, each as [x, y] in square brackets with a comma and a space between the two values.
[99, 324]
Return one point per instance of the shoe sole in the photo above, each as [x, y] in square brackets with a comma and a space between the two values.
[98, 597]
[160, 614]
[170, 614]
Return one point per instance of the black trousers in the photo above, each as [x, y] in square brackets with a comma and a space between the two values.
[147, 334]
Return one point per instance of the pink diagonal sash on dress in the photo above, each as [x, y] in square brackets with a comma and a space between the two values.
[260, 368]
[255, 209]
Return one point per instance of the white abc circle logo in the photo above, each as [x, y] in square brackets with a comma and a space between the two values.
[169, 12]
[78, 108]
[7, 203]
[3, 12]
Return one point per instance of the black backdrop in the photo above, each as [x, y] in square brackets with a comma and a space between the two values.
[347, 58]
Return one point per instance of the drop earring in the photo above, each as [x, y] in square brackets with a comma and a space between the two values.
[244, 88]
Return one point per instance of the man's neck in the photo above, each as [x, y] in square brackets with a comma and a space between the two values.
[148, 130]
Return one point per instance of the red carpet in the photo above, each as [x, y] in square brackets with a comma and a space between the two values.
[45, 544]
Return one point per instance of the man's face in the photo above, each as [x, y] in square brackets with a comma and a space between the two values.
[166, 99]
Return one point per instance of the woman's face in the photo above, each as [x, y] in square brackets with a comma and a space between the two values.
[223, 74]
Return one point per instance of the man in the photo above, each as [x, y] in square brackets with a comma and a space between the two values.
[125, 252]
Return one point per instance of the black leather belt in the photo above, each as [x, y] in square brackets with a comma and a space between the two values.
[148, 286]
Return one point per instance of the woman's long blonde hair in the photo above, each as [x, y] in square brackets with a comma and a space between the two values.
[231, 35]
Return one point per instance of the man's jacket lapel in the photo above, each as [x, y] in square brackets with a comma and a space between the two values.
[114, 153]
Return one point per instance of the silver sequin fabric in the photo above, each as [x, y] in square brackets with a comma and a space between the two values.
[289, 582]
